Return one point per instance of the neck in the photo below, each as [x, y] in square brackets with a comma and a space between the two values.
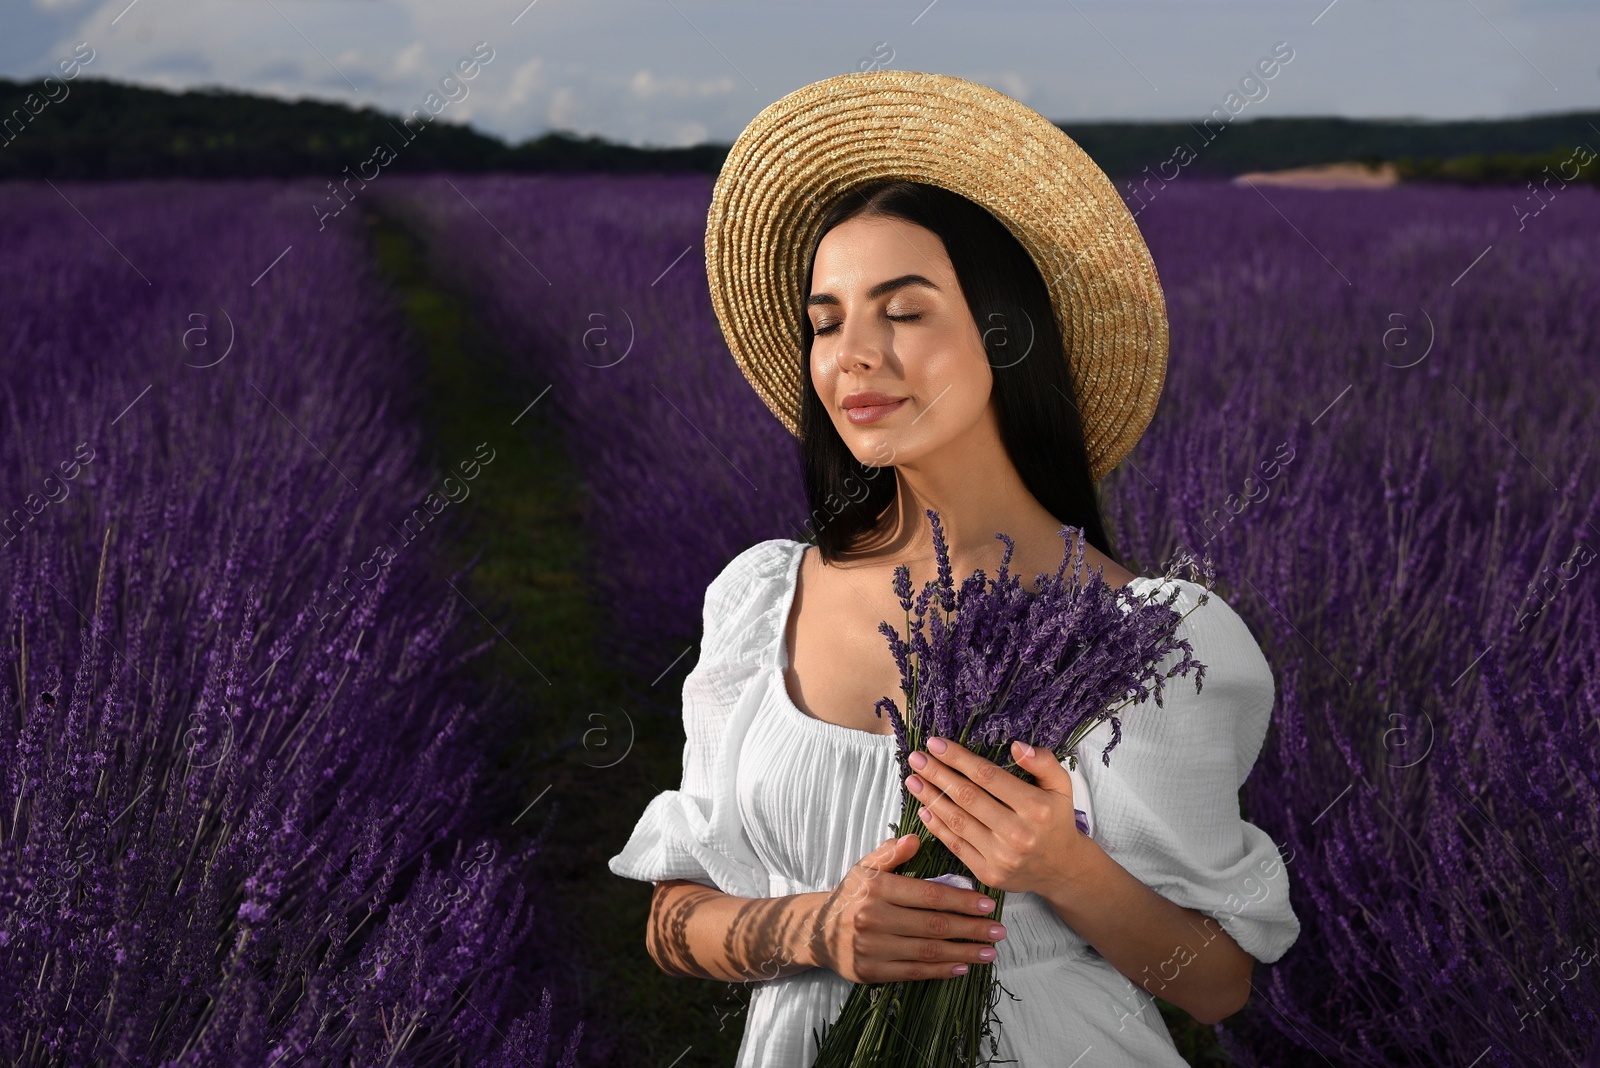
[971, 483]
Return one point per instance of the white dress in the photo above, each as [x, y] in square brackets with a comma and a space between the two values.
[776, 802]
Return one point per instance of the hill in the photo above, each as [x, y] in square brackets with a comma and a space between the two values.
[100, 128]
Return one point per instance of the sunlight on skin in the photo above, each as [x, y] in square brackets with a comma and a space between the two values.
[1018, 836]
[889, 316]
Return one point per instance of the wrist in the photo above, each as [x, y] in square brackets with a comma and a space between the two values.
[1086, 867]
[804, 932]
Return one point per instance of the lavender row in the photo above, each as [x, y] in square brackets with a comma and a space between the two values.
[241, 752]
[596, 284]
[1376, 426]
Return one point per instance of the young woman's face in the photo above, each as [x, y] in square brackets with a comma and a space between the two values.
[889, 318]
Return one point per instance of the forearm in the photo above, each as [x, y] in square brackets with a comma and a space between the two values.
[697, 931]
[1176, 953]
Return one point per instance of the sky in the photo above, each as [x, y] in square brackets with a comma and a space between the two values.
[683, 72]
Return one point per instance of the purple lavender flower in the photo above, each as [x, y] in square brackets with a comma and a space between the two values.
[1395, 549]
[237, 779]
[1044, 668]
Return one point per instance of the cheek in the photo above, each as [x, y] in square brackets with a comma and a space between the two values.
[822, 371]
[823, 379]
[955, 380]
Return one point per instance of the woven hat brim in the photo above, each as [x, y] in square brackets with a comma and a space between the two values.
[801, 152]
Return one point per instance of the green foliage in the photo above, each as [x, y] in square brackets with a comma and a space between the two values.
[1562, 165]
[1125, 149]
[1196, 1042]
[106, 129]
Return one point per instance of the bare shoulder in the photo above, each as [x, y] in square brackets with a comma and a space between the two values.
[1115, 574]
[1042, 555]
[1036, 552]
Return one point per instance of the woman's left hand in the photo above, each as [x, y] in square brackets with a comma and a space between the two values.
[1015, 836]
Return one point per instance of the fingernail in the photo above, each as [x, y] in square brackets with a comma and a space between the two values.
[922, 814]
[988, 953]
[984, 904]
[936, 745]
[1027, 750]
[917, 760]
[914, 784]
[997, 932]
[959, 969]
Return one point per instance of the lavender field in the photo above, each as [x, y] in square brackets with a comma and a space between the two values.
[597, 287]
[256, 804]
[242, 755]
[1378, 419]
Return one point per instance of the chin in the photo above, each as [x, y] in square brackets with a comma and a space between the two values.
[871, 445]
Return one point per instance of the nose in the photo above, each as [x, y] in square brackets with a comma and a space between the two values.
[860, 344]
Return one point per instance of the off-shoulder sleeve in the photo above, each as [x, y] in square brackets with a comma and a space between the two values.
[695, 832]
[1167, 807]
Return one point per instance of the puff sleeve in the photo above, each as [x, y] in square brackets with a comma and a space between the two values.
[1167, 807]
[695, 832]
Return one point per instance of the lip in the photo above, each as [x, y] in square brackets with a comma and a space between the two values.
[871, 413]
[868, 396]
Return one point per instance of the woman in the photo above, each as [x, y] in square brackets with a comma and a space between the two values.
[931, 343]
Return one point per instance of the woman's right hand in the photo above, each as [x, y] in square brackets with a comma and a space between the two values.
[877, 926]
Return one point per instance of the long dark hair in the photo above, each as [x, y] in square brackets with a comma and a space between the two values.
[1038, 414]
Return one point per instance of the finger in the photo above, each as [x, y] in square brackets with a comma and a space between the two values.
[878, 867]
[960, 841]
[914, 893]
[913, 922]
[997, 781]
[892, 853]
[896, 971]
[885, 958]
[900, 949]
[969, 809]
[1048, 772]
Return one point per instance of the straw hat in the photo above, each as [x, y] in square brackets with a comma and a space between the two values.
[792, 161]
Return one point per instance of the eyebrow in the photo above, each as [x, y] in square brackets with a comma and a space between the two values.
[876, 291]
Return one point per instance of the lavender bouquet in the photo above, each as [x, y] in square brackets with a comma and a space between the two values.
[991, 663]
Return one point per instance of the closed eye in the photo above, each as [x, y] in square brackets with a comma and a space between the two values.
[825, 330]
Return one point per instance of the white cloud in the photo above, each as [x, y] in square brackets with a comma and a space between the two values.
[524, 81]
[409, 62]
[1012, 84]
[647, 86]
[563, 109]
[683, 134]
